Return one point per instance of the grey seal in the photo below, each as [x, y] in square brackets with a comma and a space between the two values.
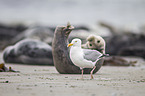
[29, 51]
[60, 52]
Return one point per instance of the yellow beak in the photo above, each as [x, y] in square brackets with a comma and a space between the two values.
[70, 44]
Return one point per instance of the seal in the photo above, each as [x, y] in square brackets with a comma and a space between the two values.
[95, 42]
[60, 52]
[41, 33]
[29, 51]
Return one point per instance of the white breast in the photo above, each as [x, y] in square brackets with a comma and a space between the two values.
[76, 55]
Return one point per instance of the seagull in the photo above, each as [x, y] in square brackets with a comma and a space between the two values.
[83, 58]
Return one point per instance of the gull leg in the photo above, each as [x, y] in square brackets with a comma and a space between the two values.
[92, 72]
[82, 72]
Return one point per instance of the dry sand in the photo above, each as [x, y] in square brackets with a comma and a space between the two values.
[46, 81]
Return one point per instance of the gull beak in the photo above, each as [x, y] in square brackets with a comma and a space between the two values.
[70, 44]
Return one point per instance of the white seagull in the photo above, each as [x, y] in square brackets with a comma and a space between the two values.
[83, 58]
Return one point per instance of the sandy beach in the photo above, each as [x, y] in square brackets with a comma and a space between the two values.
[46, 81]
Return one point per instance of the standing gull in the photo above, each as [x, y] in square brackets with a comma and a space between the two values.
[83, 58]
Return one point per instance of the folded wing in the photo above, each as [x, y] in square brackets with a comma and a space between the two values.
[91, 55]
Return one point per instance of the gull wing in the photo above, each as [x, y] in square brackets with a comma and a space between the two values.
[91, 55]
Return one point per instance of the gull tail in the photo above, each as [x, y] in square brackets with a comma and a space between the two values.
[104, 55]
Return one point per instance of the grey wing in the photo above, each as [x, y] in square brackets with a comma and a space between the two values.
[92, 55]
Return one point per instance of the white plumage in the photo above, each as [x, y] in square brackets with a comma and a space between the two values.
[83, 58]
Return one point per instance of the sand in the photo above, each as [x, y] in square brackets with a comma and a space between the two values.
[46, 81]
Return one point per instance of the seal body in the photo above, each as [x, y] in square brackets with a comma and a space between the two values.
[29, 51]
[60, 53]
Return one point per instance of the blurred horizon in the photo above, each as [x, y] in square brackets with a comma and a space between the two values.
[56, 12]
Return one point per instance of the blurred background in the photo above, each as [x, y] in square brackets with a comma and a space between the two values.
[119, 22]
[57, 12]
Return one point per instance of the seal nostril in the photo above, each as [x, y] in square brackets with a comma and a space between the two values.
[90, 44]
[98, 41]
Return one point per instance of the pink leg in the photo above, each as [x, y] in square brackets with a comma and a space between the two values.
[82, 72]
[92, 72]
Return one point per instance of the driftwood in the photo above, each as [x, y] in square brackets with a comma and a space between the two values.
[60, 53]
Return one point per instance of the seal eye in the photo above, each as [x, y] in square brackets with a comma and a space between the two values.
[98, 41]
[90, 44]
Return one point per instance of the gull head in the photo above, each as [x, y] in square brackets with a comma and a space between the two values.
[75, 42]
